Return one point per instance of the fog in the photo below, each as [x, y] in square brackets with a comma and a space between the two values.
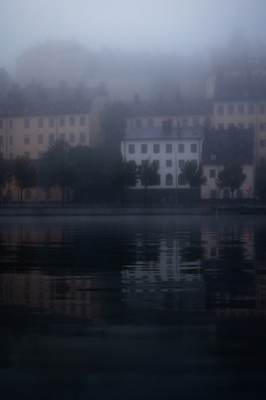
[139, 25]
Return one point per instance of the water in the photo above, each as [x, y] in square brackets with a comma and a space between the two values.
[133, 308]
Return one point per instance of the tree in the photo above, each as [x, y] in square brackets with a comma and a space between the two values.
[232, 176]
[192, 174]
[4, 174]
[124, 175]
[148, 175]
[113, 124]
[25, 174]
[58, 170]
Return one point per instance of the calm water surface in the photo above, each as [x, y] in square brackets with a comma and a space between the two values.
[133, 308]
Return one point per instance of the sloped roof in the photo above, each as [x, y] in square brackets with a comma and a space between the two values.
[159, 133]
[228, 144]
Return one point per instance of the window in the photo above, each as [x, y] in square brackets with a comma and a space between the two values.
[231, 126]
[72, 137]
[184, 122]
[213, 194]
[181, 163]
[251, 109]
[11, 124]
[240, 109]
[156, 148]
[82, 120]
[193, 147]
[212, 173]
[220, 109]
[62, 136]
[1, 141]
[10, 140]
[230, 109]
[131, 149]
[251, 125]
[1, 124]
[196, 121]
[61, 121]
[168, 163]
[262, 108]
[207, 121]
[240, 126]
[150, 122]
[213, 157]
[220, 126]
[51, 122]
[40, 122]
[40, 138]
[26, 123]
[138, 123]
[226, 194]
[11, 155]
[27, 194]
[181, 180]
[71, 121]
[262, 143]
[26, 139]
[27, 155]
[144, 149]
[262, 126]
[51, 138]
[169, 179]
[181, 148]
[168, 148]
[157, 163]
[82, 137]
[40, 154]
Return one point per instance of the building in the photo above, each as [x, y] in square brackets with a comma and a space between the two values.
[170, 148]
[219, 146]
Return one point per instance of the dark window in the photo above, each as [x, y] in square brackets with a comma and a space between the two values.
[181, 180]
[40, 138]
[184, 122]
[131, 148]
[220, 109]
[250, 109]
[181, 163]
[262, 126]
[82, 137]
[157, 163]
[231, 126]
[213, 157]
[51, 138]
[40, 122]
[11, 124]
[240, 126]
[150, 122]
[262, 108]
[82, 120]
[26, 123]
[212, 173]
[144, 149]
[169, 179]
[193, 147]
[62, 136]
[168, 148]
[156, 148]
[240, 109]
[72, 137]
[168, 163]
[61, 121]
[207, 121]
[196, 121]
[262, 143]
[51, 122]
[251, 125]
[230, 109]
[181, 148]
[71, 121]
[10, 140]
[26, 139]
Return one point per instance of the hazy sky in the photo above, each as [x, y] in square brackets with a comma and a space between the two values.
[156, 25]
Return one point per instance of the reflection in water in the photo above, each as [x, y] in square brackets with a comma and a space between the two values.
[133, 307]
